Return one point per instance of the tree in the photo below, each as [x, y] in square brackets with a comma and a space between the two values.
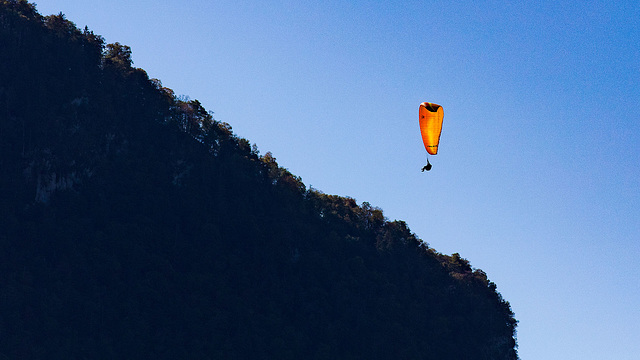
[118, 55]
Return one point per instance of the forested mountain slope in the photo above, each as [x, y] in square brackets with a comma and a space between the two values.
[135, 225]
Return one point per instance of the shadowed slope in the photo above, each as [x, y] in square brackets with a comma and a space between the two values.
[136, 225]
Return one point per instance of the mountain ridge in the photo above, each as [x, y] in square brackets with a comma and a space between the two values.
[137, 225]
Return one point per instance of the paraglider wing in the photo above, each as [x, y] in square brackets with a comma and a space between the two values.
[431, 116]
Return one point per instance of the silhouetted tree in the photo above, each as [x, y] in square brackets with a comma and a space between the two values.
[118, 55]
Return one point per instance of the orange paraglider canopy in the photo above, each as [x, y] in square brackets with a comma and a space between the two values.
[431, 116]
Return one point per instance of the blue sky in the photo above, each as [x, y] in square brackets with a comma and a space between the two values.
[537, 180]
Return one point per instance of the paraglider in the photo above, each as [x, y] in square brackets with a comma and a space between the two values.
[430, 116]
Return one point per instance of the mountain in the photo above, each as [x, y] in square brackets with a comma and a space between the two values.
[135, 225]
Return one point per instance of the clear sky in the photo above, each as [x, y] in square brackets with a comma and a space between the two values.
[537, 180]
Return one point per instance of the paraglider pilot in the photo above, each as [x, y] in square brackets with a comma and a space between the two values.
[426, 167]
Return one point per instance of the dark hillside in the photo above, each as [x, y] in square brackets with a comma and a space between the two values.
[135, 225]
